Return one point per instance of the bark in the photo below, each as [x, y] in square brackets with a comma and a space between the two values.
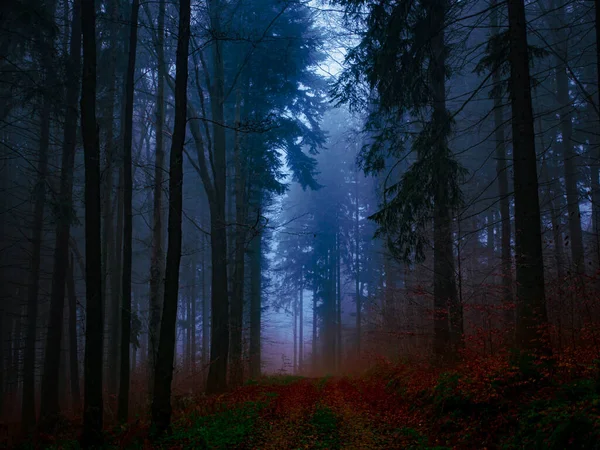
[237, 299]
[338, 304]
[156, 265]
[255, 305]
[569, 155]
[28, 405]
[49, 407]
[73, 354]
[531, 304]
[219, 344]
[357, 265]
[205, 310]
[110, 274]
[315, 321]
[192, 318]
[301, 313]
[448, 312]
[163, 374]
[93, 406]
[123, 412]
[502, 175]
[595, 182]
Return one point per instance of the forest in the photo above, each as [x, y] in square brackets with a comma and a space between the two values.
[300, 224]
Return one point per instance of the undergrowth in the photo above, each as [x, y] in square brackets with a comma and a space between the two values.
[492, 403]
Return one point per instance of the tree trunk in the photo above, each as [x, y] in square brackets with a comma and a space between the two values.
[531, 303]
[156, 265]
[163, 375]
[301, 312]
[357, 265]
[110, 256]
[28, 415]
[49, 408]
[569, 154]
[219, 344]
[448, 312]
[255, 305]
[73, 354]
[502, 175]
[338, 303]
[123, 412]
[237, 299]
[192, 318]
[93, 407]
[205, 310]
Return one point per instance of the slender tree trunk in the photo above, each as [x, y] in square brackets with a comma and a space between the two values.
[357, 265]
[192, 318]
[338, 303]
[156, 265]
[93, 407]
[219, 343]
[49, 408]
[315, 320]
[596, 141]
[28, 415]
[569, 155]
[123, 412]
[255, 305]
[163, 375]
[301, 313]
[502, 175]
[110, 275]
[73, 354]
[531, 302]
[205, 310]
[237, 299]
[448, 312]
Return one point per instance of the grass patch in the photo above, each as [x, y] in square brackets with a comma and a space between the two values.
[228, 429]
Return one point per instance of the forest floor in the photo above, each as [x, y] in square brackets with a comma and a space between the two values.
[485, 404]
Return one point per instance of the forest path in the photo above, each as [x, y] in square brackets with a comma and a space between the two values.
[284, 413]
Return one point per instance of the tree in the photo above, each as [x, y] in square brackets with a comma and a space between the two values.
[123, 412]
[49, 407]
[163, 374]
[397, 49]
[531, 306]
[156, 268]
[93, 406]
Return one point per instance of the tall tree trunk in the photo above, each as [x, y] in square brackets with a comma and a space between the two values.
[73, 354]
[569, 155]
[448, 312]
[531, 302]
[219, 343]
[502, 175]
[357, 264]
[49, 408]
[192, 318]
[315, 320]
[301, 313]
[237, 299]
[123, 411]
[156, 265]
[338, 303]
[93, 407]
[205, 309]
[110, 256]
[594, 169]
[28, 415]
[163, 375]
[255, 305]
